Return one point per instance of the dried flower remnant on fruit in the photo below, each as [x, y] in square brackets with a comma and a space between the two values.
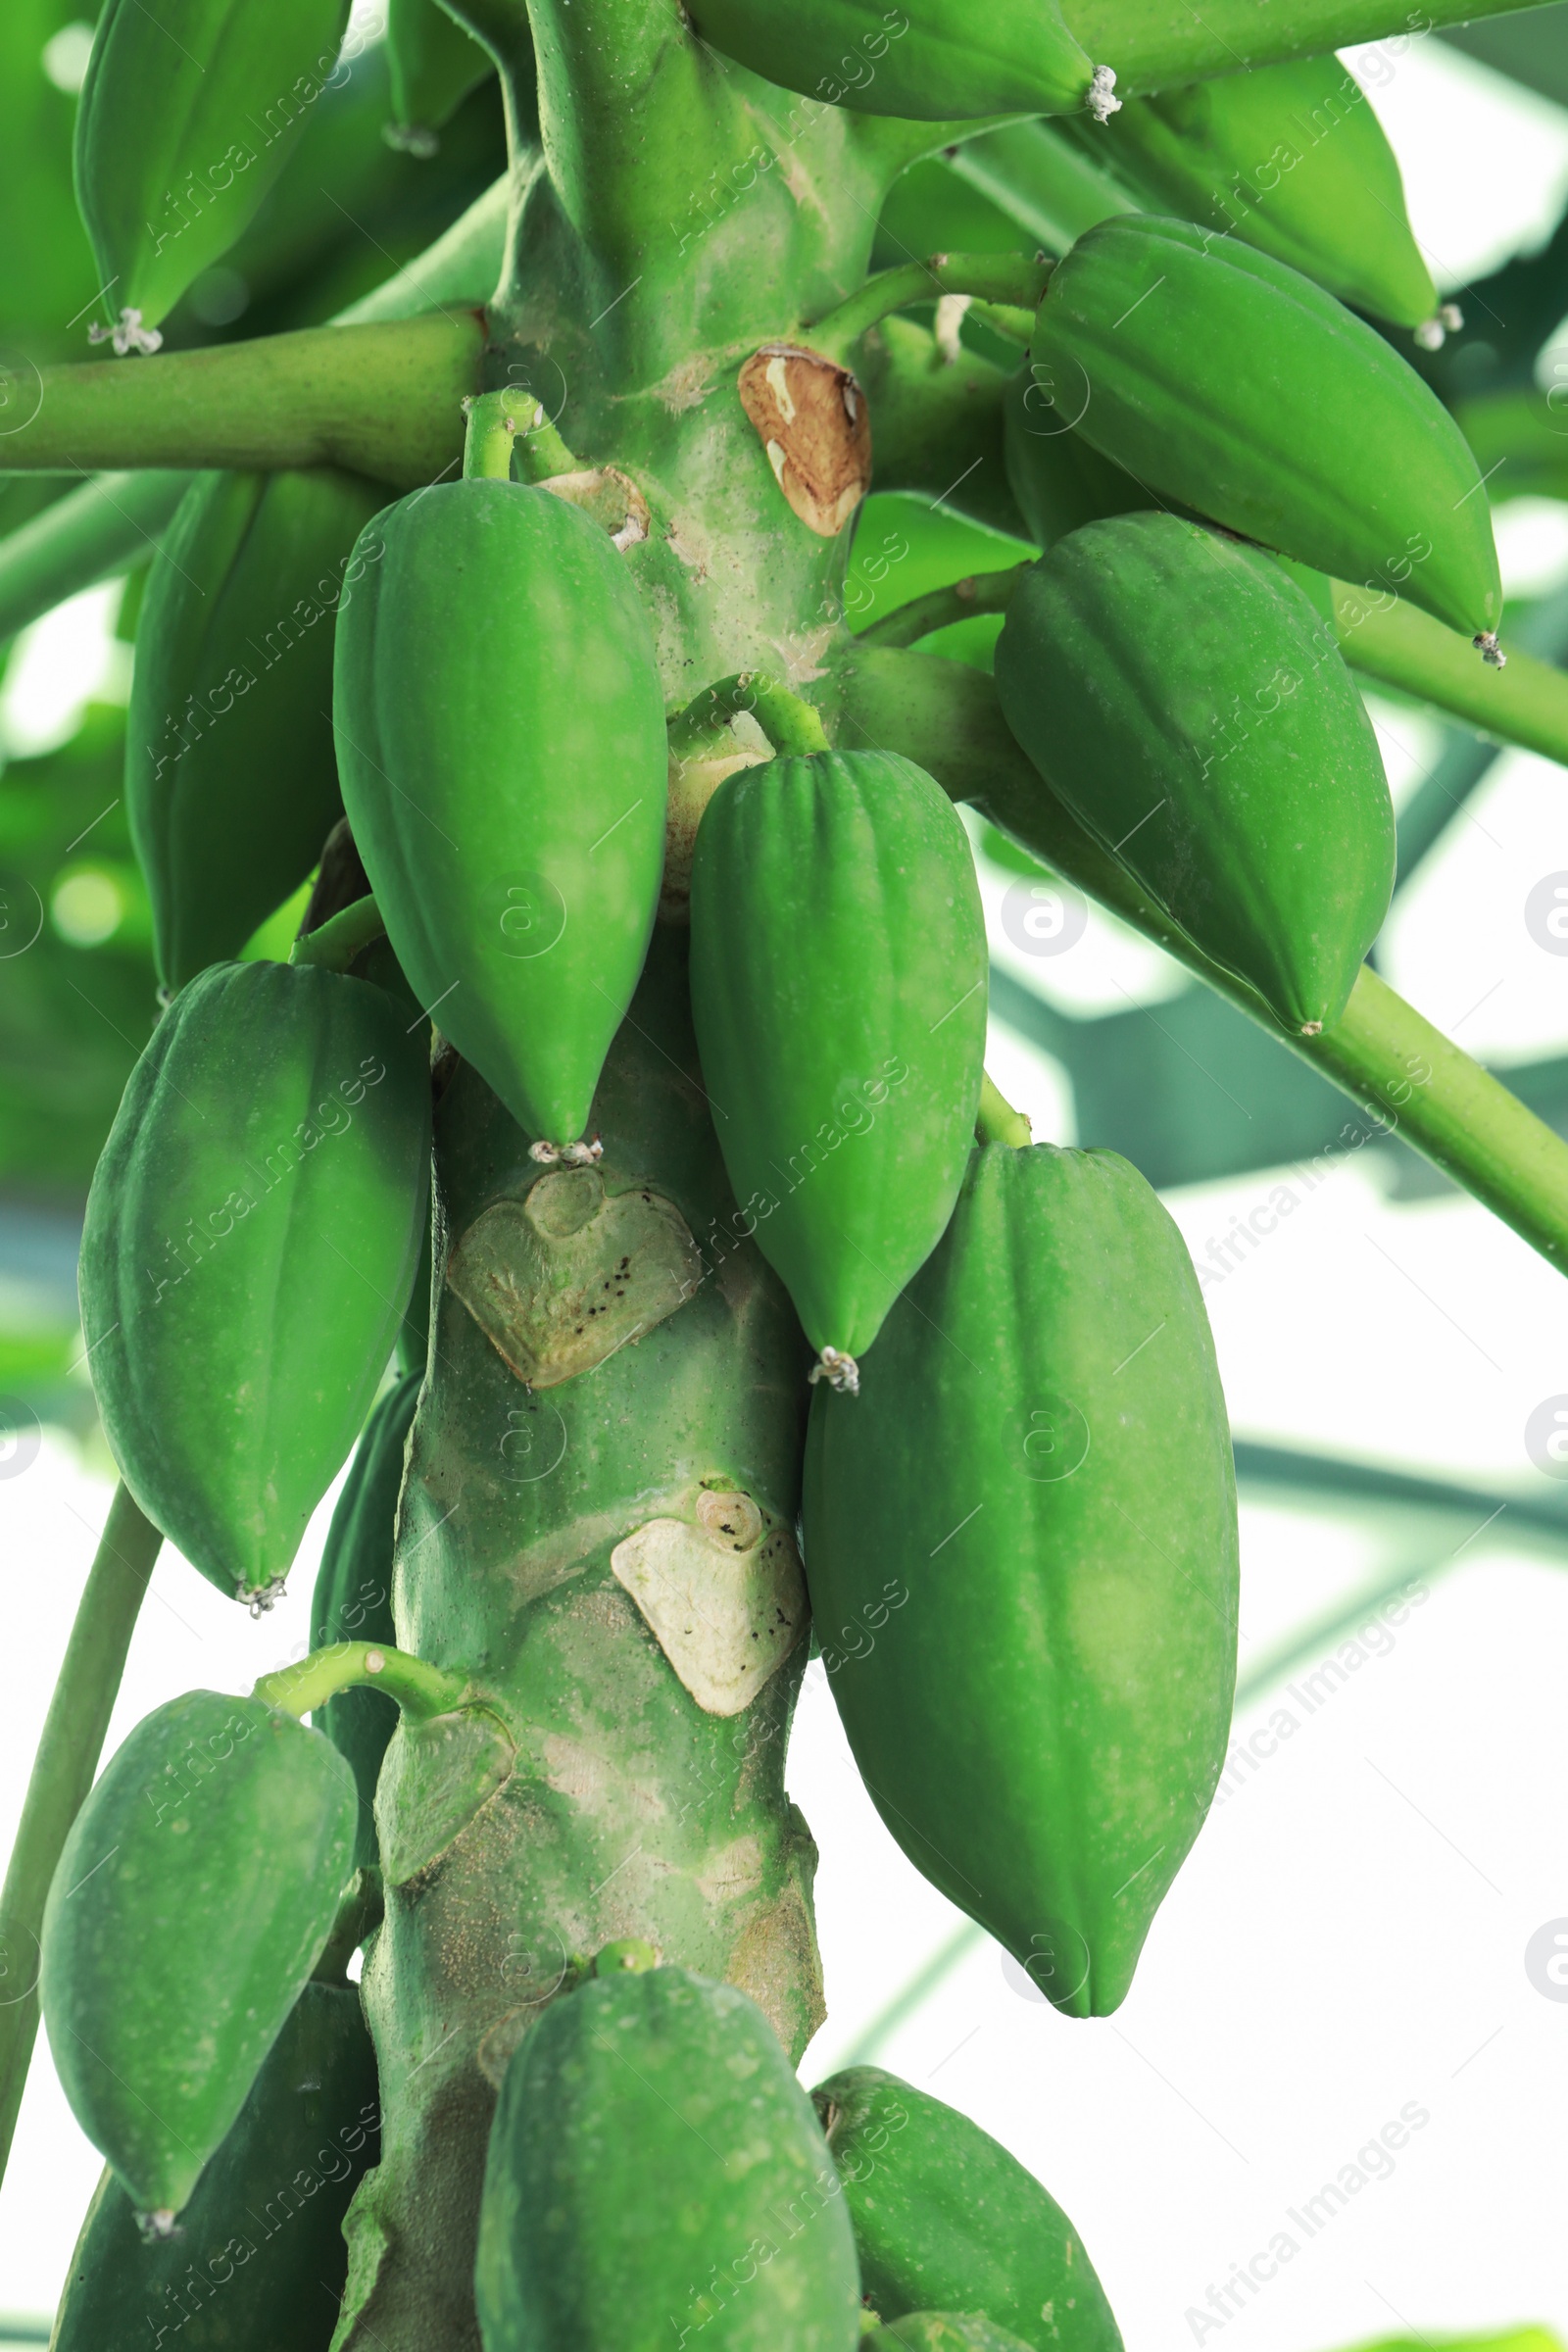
[839, 1370]
[128, 335]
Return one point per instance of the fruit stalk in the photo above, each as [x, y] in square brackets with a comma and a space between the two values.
[380, 399]
[61, 1774]
[1382, 1053]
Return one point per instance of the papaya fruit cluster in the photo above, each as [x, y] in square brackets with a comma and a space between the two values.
[1015, 1423]
[654, 2164]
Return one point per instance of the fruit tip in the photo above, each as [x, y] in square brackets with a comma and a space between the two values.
[839, 1370]
[1101, 101]
[567, 1155]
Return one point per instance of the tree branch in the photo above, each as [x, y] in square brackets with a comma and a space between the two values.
[105, 526]
[384, 400]
[1526, 704]
[63, 1773]
[1161, 47]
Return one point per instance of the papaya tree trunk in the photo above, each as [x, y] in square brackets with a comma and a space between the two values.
[598, 1515]
[597, 1525]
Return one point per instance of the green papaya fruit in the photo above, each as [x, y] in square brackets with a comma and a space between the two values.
[353, 1596]
[505, 766]
[433, 63]
[188, 114]
[1178, 692]
[1045, 1438]
[258, 2263]
[935, 60]
[1225, 379]
[1289, 158]
[655, 2165]
[942, 2214]
[941, 2331]
[1059, 479]
[839, 996]
[193, 1897]
[231, 775]
[247, 1251]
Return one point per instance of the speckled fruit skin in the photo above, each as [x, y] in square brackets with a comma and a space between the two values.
[251, 1234]
[192, 1900]
[945, 2217]
[655, 2166]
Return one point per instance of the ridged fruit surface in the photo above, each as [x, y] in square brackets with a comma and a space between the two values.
[1020, 1544]
[655, 2166]
[942, 2216]
[188, 114]
[1291, 159]
[251, 1234]
[935, 60]
[194, 1896]
[1178, 692]
[259, 2261]
[231, 775]
[1223, 378]
[839, 995]
[501, 747]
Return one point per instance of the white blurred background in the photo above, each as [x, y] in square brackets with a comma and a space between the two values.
[1349, 1939]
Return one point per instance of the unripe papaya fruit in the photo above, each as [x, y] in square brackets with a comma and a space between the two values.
[353, 1596]
[252, 1231]
[1225, 379]
[231, 775]
[944, 2216]
[655, 2165]
[1059, 479]
[941, 2331]
[193, 1897]
[944, 61]
[1177, 691]
[187, 115]
[1042, 1468]
[433, 63]
[501, 747]
[258, 2261]
[839, 995]
[1289, 158]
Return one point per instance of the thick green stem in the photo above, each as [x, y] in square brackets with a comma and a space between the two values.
[382, 400]
[791, 725]
[420, 1690]
[106, 527]
[997, 1122]
[487, 441]
[1155, 45]
[985, 592]
[62, 1772]
[1004, 277]
[1386, 1057]
[335, 944]
[1526, 704]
